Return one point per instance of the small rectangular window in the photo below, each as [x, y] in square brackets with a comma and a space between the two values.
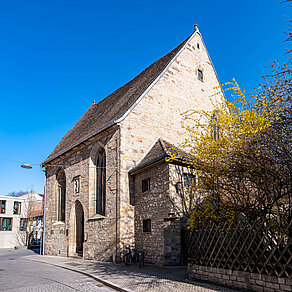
[5, 224]
[147, 225]
[189, 179]
[146, 185]
[16, 208]
[3, 206]
[23, 224]
[200, 74]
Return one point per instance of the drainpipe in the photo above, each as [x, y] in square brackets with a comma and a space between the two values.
[117, 187]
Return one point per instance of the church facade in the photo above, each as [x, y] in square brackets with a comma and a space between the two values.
[107, 182]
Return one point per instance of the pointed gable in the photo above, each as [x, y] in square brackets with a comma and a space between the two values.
[159, 151]
[108, 111]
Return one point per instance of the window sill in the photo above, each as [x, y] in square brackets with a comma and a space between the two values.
[96, 217]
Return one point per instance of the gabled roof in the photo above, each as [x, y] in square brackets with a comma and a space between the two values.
[159, 151]
[35, 209]
[107, 112]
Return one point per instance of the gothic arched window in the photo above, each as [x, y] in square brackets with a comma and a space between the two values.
[100, 183]
[61, 196]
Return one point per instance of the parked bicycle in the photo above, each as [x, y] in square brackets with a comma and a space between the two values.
[130, 256]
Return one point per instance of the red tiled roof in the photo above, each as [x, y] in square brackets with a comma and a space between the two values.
[35, 209]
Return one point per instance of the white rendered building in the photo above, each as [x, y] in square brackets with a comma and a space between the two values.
[20, 218]
[13, 214]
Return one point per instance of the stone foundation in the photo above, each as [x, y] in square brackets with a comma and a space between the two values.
[240, 280]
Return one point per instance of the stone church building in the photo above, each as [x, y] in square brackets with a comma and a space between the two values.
[107, 181]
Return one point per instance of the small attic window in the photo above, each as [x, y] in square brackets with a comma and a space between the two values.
[198, 45]
[200, 74]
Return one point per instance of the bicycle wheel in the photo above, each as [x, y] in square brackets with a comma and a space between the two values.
[127, 259]
[135, 256]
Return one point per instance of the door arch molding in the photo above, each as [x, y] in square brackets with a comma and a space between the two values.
[76, 229]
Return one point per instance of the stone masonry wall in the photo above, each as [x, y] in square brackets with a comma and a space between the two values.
[162, 244]
[100, 230]
[153, 205]
[158, 114]
[172, 242]
[240, 280]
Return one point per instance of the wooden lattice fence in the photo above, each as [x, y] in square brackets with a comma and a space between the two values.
[256, 246]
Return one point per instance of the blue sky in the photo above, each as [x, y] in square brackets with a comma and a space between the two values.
[57, 57]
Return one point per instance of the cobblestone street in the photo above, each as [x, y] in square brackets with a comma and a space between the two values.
[23, 270]
[20, 275]
[132, 278]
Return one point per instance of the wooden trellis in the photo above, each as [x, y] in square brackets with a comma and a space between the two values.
[258, 246]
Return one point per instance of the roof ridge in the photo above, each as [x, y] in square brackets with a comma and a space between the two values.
[154, 155]
[163, 145]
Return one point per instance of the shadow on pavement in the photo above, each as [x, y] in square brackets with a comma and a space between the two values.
[36, 250]
[148, 277]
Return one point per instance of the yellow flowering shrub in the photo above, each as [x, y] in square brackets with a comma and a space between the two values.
[229, 151]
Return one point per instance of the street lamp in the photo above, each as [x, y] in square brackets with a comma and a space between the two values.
[26, 165]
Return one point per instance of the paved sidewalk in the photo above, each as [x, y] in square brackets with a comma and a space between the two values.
[131, 278]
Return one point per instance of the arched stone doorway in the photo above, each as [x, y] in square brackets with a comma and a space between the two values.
[79, 228]
[76, 230]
